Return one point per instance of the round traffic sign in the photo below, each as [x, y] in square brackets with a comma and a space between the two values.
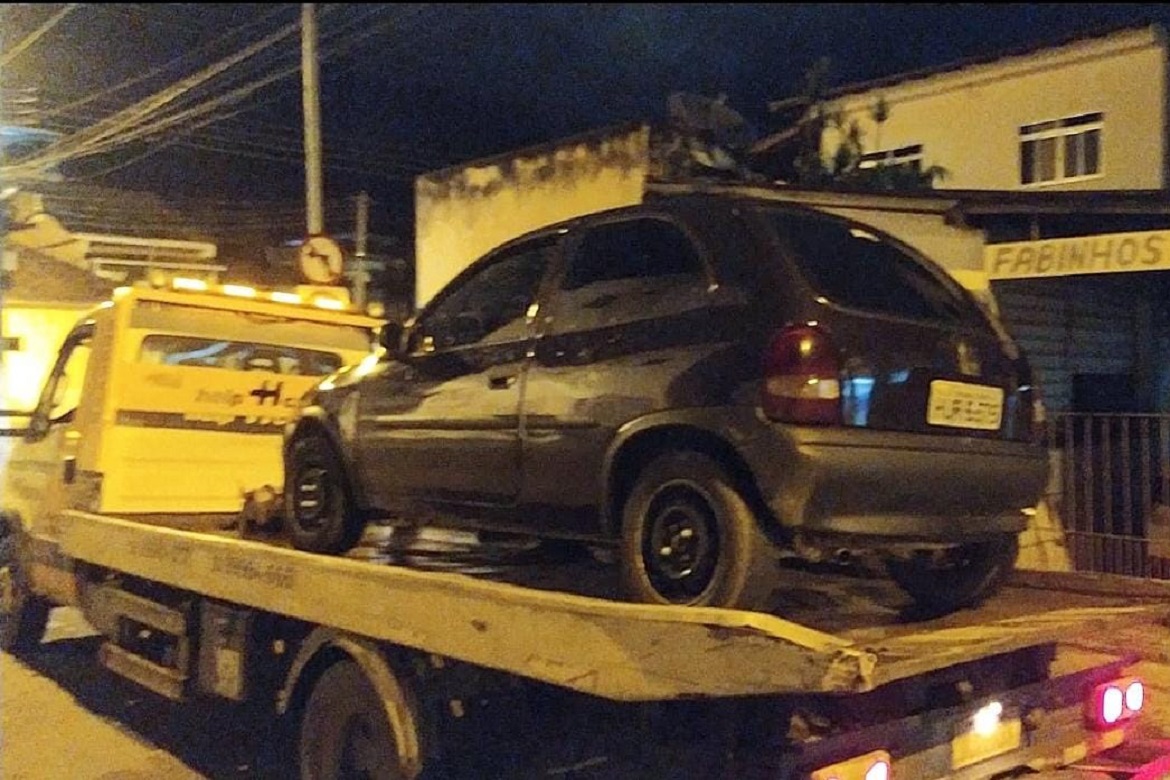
[320, 260]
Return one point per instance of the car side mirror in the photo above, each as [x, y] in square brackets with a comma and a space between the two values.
[392, 337]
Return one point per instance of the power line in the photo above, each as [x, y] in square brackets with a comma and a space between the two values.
[133, 123]
[36, 35]
[265, 146]
[159, 70]
[99, 135]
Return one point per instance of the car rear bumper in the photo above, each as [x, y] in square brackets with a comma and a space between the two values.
[895, 486]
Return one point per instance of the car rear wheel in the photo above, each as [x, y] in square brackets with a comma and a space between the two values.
[958, 577]
[318, 511]
[688, 537]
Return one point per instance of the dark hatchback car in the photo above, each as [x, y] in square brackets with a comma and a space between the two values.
[701, 382]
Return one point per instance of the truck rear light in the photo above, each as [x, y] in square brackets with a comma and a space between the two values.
[871, 766]
[801, 377]
[1115, 702]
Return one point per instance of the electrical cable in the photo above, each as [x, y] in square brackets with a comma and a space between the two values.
[36, 35]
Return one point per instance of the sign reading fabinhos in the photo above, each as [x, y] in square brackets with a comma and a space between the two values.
[1100, 254]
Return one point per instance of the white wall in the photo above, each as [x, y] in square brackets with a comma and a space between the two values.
[462, 214]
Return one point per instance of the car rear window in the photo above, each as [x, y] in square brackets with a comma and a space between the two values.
[855, 268]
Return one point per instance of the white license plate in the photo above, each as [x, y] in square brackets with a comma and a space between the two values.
[972, 747]
[962, 405]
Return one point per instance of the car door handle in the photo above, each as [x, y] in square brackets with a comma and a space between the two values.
[501, 381]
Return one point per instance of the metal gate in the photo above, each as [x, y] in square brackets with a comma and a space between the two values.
[1113, 491]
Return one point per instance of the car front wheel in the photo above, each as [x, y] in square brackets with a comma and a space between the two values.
[318, 511]
[689, 537]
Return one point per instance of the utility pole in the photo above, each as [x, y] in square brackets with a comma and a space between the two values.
[311, 107]
[361, 276]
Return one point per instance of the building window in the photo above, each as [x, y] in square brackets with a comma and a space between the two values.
[902, 157]
[1061, 149]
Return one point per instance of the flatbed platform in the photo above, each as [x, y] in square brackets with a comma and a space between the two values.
[827, 634]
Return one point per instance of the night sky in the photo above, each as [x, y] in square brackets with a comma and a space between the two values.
[410, 88]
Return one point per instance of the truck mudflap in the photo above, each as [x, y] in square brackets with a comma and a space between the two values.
[619, 651]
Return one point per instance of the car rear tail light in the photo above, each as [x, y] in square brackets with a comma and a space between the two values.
[871, 766]
[801, 382]
[1115, 702]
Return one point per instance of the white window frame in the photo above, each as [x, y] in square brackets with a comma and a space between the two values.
[909, 156]
[1061, 132]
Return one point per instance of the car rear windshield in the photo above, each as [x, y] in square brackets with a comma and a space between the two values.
[853, 267]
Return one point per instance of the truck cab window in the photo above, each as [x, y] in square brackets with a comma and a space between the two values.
[170, 350]
[62, 392]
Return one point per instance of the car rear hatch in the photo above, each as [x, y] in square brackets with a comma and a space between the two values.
[912, 351]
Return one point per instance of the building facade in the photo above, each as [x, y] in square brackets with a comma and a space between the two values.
[1087, 114]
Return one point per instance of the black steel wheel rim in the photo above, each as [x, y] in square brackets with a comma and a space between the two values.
[312, 496]
[680, 542]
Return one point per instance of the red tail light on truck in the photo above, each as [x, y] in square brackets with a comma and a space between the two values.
[1115, 702]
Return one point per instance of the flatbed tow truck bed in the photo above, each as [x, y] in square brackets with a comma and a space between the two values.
[831, 641]
[843, 647]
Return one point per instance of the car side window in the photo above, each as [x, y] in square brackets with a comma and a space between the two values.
[634, 249]
[625, 272]
[491, 304]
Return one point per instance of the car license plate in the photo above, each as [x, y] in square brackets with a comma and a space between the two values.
[971, 747]
[963, 405]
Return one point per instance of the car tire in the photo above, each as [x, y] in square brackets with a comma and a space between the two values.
[689, 537]
[345, 731]
[318, 510]
[962, 577]
[23, 615]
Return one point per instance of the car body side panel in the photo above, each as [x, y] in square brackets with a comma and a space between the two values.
[603, 362]
[442, 427]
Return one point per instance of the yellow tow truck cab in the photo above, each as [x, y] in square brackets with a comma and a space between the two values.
[169, 401]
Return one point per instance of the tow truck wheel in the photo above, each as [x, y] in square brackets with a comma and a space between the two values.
[946, 580]
[689, 537]
[23, 616]
[345, 734]
[318, 510]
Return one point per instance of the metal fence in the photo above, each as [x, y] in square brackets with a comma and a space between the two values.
[1111, 488]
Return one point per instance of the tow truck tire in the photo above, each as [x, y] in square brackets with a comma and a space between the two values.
[345, 732]
[318, 510]
[689, 537]
[23, 616]
[962, 578]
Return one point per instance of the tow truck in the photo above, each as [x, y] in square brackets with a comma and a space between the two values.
[383, 665]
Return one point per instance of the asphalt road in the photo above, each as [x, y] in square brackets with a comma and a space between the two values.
[62, 717]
